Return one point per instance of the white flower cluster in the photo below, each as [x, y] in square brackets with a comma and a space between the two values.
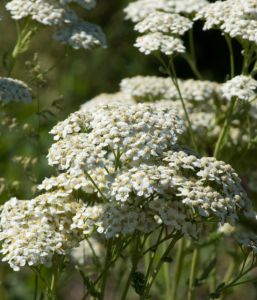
[157, 41]
[237, 18]
[34, 230]
[249, 6]
[87, 4]
[165, 23]
[108, 99]
[152, 88]
[161, 25]
[138, 10]
[241, 87]
[199, 95]
[130, 133]
[81, 35]
[70, 29]
[124, 161]
[13, 90]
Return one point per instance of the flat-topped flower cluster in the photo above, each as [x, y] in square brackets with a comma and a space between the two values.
[69, 28]
[121, 171]
[237, 18]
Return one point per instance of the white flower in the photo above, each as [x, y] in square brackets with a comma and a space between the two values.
[234, 17]
[133, 132]
[45, 12]
[153, 88]
[87, 4]
[69, 28]
[241, 87]
[157, 41]
[13, 90]
[164, 22]
[81, 35]
[108, 99]
[32, 231]
[138, 10]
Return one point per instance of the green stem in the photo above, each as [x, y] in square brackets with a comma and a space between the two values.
[231, 56]
[35, 287]
[225, 128]
[159, 265]
[173, 76]
[193, 272]
[193, 66]
[108, 258]
[178, 268]
[228, 275]
[135, 259]
[192, 45]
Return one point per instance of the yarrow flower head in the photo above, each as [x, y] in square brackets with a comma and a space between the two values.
[108, 99]
[81, 35]
[153, 88]
[87, 4]
[45, 12]
[69, 28]
[34, 230]
[233, 17]
[164, 22]
[138, 10]
[14, 90]
[241, 87]
[126, 164]
[137, 132]
[158, 41]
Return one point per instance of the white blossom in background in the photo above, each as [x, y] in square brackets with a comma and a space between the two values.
[158, 41]
[241, 87]
[249, 6]
[138, 10]
[87, 252]
[14, 90]
[87, 4]
[248, 240]
[231, 17]
[153, 88]
[69, 28]
[165, 23]
[227, 229]
[105, 99]
[81, 35]
[189, 7]
[45, 12]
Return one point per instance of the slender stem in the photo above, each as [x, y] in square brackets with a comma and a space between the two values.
[228, 275]
[135, 259]
[191, 57]
[159, 265]
[95, 185]
[175, 81]
[106, 269]
[225, 128]
[193, 272]
[35, 287]
[178, 268]
[193, 67]
[231, 56]
[192, 45]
